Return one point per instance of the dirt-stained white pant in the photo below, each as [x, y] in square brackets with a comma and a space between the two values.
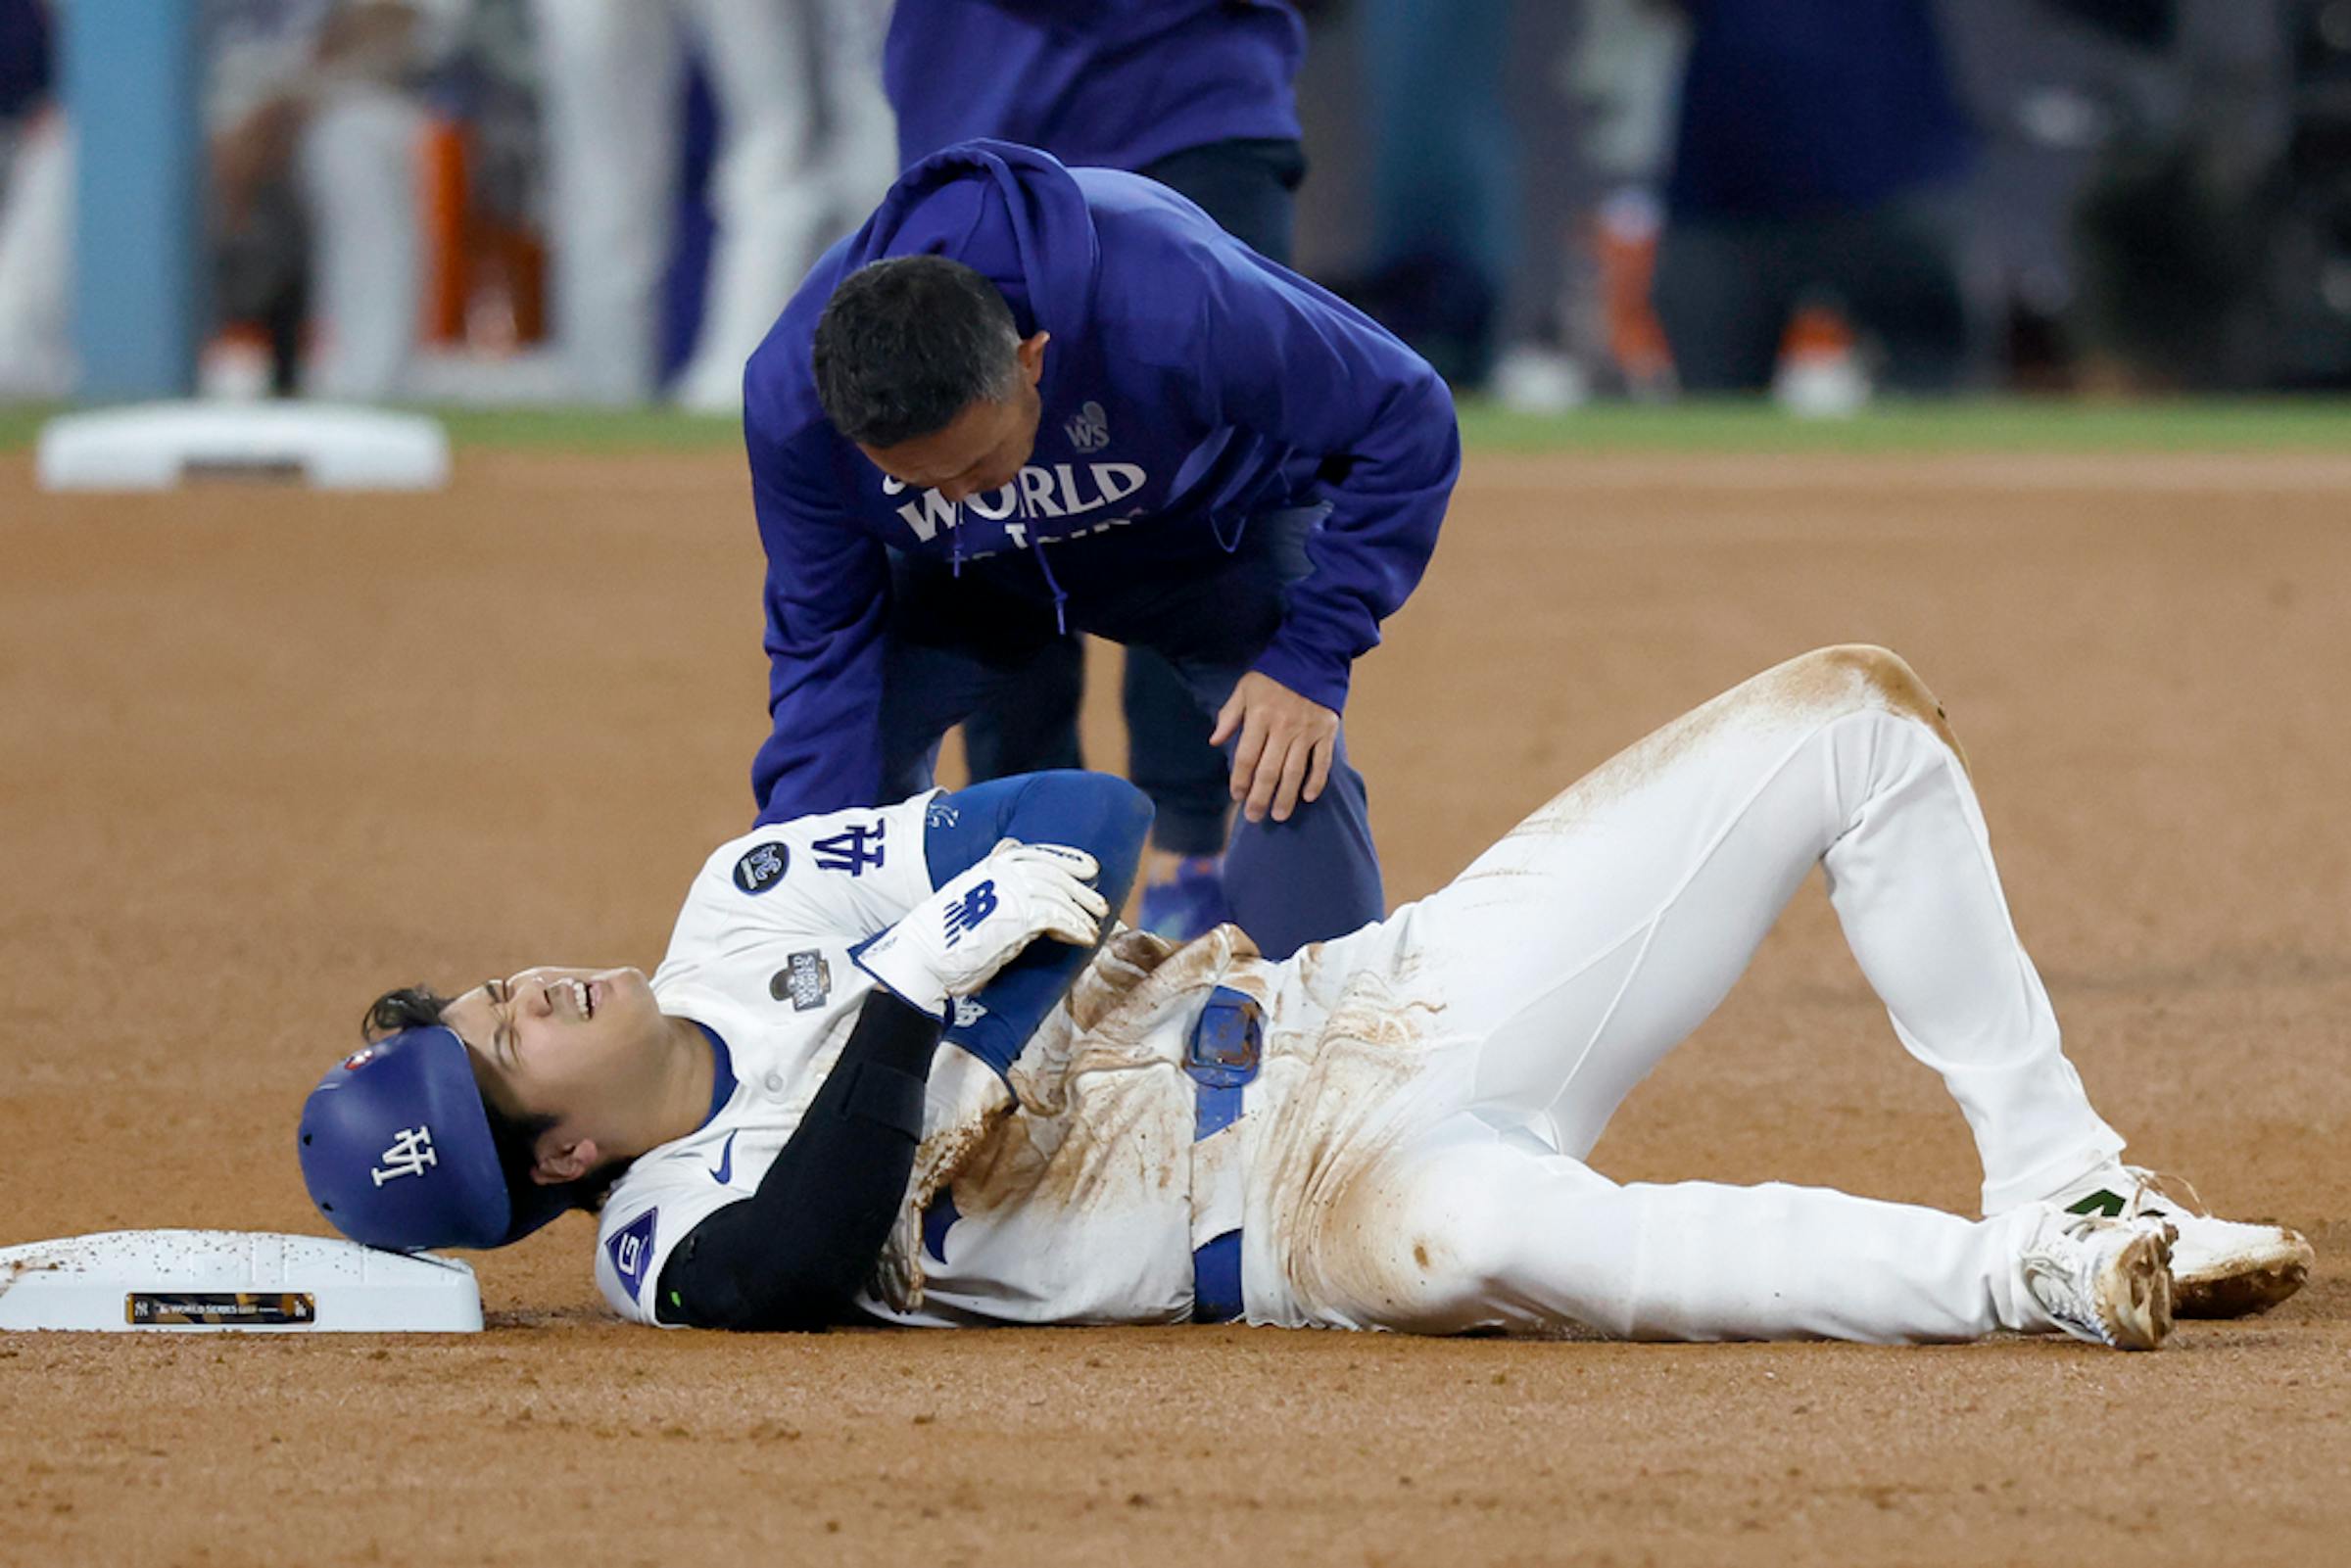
[1575, 953]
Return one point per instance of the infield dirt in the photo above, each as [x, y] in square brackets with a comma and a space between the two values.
[264, 753]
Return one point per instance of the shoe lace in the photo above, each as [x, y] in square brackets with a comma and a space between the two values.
[2153, 1190]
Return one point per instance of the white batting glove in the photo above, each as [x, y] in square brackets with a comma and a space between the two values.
[953, 942]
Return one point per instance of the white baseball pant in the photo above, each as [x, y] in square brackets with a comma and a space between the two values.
[1581, 948]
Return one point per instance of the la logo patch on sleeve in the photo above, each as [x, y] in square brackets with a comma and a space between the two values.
[762, 868]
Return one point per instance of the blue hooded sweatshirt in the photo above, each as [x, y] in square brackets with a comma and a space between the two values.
[1119, 84]
[1188, 385]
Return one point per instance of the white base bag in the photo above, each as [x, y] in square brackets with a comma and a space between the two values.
[216, 1281]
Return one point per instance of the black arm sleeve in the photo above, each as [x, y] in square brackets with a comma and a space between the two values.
[792, 1254]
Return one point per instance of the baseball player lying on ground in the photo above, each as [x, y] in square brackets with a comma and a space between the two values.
[1386, 1130]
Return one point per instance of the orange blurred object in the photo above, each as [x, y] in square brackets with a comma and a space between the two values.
[1816, 333]
[485, 281]
[1626, 247]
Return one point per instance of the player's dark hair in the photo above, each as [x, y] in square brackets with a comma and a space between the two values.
[907, 344]
[516, 1138]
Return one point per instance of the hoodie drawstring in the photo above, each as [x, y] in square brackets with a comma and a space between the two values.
[1061, 620]
[1060, 624]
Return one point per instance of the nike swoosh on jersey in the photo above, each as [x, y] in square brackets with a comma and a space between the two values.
[726, 1161]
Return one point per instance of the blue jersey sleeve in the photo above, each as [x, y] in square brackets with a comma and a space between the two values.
[1107, 818]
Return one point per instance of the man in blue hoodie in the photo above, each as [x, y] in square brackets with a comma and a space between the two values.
[1067, 399]
[1197, 95]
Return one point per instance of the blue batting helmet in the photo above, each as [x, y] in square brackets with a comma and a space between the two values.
[397, 1152]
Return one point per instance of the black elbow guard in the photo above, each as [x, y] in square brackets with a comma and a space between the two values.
[792, 1254]
[886, 1068]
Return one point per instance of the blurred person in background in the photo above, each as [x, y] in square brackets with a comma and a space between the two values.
[2190, 210]
[312, 130]
[36, 211]
[1819, 155]
[1198, 95]
[1621, 70]
[805, 150]
[316, 129]
[1444, 164]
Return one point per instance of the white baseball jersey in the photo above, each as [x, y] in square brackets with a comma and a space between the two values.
[1073, 1207]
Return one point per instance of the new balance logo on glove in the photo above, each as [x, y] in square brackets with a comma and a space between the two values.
[966, 915]
[1019, 893]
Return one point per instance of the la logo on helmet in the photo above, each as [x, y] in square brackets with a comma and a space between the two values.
[411, 1152]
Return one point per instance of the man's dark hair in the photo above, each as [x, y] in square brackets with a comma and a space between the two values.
[906, 345]
[516, 1138]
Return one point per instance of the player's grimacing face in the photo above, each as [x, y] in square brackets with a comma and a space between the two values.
[546, 1041]
[983, 448]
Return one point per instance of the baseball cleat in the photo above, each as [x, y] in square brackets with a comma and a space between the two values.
[2220, 1268]
[2106, 1281]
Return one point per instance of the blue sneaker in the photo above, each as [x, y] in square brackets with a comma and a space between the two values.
[1189, 904]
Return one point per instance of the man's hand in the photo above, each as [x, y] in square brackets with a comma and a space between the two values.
[1285, 747]
[953, 942]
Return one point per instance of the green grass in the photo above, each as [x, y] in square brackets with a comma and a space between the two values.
[20, 423]
[591, 430]
[1978, 425]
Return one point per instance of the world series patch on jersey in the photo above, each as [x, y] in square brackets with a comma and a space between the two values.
[806, 980]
